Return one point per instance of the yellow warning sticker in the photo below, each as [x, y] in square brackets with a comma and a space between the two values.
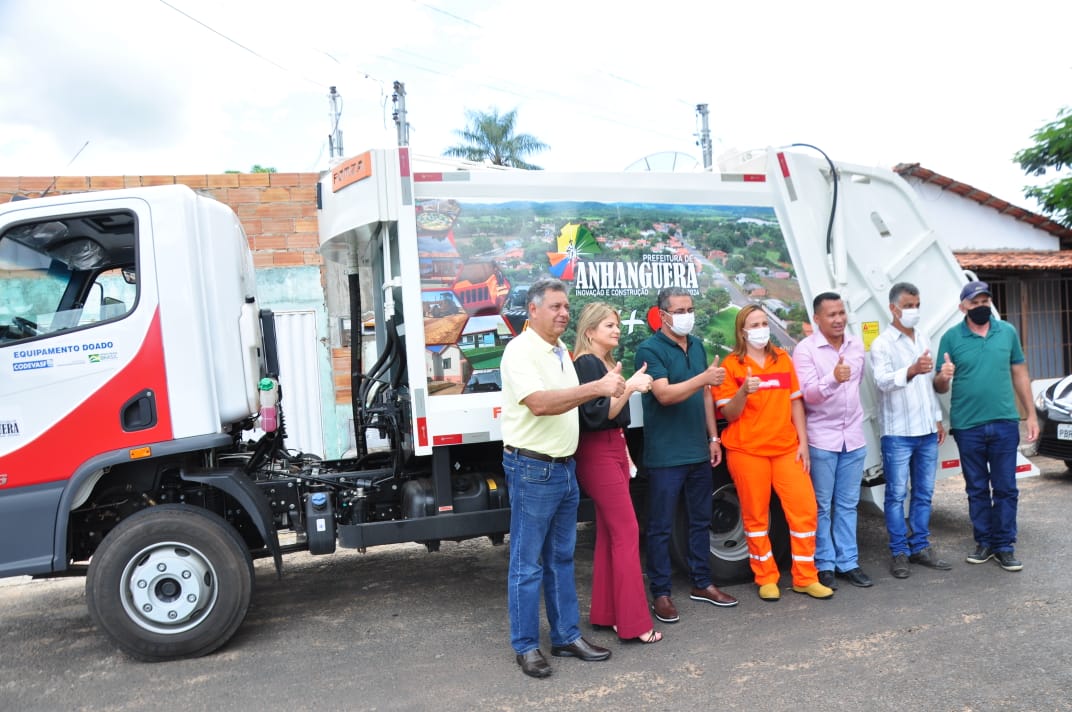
[869, 330]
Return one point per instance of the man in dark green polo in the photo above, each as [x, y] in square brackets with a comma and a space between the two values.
[981, 360]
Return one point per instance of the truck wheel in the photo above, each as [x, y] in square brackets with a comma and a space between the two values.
[171, 581]
[728, 548]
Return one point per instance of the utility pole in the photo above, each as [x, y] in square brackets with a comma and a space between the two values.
[398, 99]
[705, 135]
[335, 137]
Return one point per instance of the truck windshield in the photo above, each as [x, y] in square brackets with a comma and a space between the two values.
[54, 276]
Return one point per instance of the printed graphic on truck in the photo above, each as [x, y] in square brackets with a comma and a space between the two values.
[622, 253]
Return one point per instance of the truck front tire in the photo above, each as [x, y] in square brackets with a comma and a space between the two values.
[171, 581]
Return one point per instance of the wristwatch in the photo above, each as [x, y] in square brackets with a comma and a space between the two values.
[716, 439]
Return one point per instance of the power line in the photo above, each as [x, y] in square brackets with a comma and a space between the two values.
[573, 101]
[441, 11]
[643, 87]
[236, 43]
[505, 86]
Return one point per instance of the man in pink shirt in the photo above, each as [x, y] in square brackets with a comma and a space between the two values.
[830, 364]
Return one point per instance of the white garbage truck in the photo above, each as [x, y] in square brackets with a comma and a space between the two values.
[137, 363]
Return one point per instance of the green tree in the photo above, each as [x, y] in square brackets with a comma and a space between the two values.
[1052, 150]
[257, 168]
[490, 137]
[482, 244]
[717, 299]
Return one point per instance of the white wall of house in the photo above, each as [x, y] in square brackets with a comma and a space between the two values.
[964, 224]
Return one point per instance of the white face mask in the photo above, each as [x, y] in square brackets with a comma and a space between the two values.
[758, 337]
[909, 318]
[681, 324]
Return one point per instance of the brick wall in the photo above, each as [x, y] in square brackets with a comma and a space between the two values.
[277, 210]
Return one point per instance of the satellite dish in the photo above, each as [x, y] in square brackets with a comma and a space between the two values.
[667, 162]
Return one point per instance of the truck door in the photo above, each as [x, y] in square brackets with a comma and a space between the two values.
[82, 379]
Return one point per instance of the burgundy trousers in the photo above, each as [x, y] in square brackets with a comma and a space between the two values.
[618, 594]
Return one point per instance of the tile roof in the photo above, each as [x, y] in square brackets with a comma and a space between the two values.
[986, 199]
[1015, 260]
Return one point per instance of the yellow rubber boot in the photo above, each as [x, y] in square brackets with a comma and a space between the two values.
[770, 592]
[815, 590]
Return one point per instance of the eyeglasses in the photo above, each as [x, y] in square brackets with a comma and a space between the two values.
[679, 312]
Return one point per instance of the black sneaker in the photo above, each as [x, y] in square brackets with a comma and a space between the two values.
[981, 555]
[1007, 561]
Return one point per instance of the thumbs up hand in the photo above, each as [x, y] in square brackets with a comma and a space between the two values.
[842, 372]
[948, 368]
[640, 381]
[751, 383]
[923, 364]
[612, 384]
[715, 374]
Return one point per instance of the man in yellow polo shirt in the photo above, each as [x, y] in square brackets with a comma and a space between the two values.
[540, 429]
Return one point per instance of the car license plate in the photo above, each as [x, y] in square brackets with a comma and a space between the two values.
[1064, 431]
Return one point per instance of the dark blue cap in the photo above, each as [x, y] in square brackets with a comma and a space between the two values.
[972, 290]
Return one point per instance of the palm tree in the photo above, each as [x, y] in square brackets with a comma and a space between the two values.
[490, 137]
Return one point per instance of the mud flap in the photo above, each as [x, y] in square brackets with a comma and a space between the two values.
[234, 482]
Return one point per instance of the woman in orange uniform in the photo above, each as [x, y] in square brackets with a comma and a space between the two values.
[618, 597]
[767, 446]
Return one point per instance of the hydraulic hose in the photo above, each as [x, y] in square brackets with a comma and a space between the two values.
[833, 203]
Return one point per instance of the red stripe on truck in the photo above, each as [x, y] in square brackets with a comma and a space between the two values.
[93, 426]
[784, 164]
[447, 439]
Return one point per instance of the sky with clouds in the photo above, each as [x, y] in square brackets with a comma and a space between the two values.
[201, 86]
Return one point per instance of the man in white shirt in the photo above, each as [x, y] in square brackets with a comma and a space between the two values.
[903, 369]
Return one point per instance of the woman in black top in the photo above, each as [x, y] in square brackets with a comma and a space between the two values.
[618, 596]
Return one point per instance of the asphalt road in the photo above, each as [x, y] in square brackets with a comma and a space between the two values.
[400, 629]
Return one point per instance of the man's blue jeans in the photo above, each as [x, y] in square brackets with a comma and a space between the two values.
[988, 459]
[836, 477]
[543, 534]
[665, 485]
[909, 458]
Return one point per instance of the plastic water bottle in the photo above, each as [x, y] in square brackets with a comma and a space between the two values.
[269, 392]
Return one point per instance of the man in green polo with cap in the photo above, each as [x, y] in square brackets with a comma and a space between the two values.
[981, 360]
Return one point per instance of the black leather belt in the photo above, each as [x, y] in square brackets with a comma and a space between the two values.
[532, 454]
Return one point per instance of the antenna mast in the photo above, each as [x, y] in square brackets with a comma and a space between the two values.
[399, 115]
[335, 137]
[704, 134]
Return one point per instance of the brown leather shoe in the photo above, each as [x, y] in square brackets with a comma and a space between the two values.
[665, 610]
[713, 595]
[534, 664]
